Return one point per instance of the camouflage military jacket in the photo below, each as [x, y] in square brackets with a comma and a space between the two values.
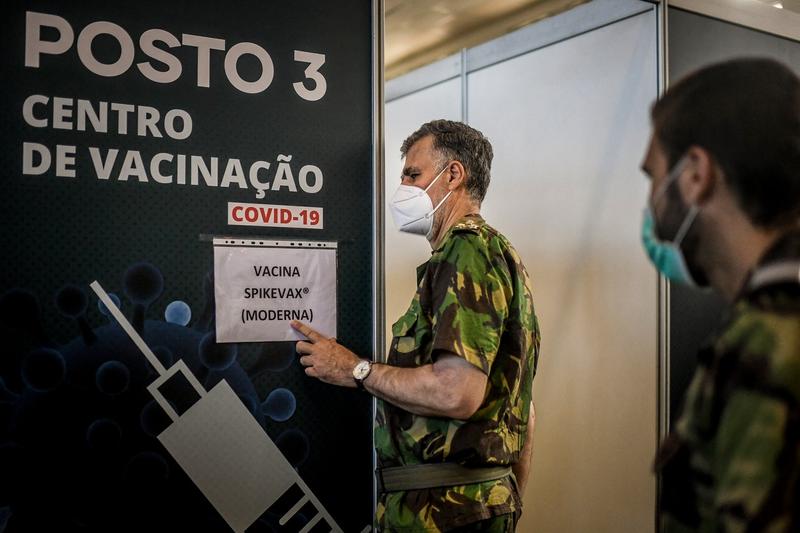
[473, 300]
[733, 460]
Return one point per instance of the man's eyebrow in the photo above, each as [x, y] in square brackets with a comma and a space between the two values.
[410, 170]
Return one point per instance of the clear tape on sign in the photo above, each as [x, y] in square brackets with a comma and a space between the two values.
[268, 243]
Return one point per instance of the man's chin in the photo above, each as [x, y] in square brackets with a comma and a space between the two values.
[700, 278]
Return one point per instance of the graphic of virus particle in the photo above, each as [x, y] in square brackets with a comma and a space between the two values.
[178, 312]
[280, 405]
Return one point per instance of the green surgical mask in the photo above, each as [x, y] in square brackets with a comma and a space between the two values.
[665, 255]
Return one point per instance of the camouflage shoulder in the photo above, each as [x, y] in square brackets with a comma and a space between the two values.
[469, 225]
[467, 243]
[769, 344]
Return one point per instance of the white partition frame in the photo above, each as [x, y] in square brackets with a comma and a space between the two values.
[604, 483]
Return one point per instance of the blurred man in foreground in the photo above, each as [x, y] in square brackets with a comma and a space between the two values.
[724, 160]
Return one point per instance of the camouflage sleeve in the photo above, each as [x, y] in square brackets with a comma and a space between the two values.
[756, 465]
[471, 291]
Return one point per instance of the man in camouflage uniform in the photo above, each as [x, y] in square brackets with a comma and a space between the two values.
[456, 389]
[725, 165]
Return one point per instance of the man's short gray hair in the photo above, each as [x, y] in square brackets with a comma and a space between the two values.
[457, 141]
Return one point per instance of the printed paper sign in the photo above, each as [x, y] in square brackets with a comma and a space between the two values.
[260, 286]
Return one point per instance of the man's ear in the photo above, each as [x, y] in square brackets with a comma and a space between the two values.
[701, 175]
[456, 175]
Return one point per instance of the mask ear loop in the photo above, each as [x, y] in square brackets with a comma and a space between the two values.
[672, 176]
[687, 223]
[438, 205]
[684, 229]
[437, 177]
[425, 190]
[693, 210]
[420, 192]
[446, 196]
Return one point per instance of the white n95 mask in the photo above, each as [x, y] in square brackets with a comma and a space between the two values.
[412, 208]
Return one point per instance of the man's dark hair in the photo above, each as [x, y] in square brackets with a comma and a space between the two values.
[746, 113]
[457, 141]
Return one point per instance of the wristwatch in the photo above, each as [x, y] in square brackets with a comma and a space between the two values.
[361, 371]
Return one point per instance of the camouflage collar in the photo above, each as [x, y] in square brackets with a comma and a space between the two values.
[472, 222]
[785, 251]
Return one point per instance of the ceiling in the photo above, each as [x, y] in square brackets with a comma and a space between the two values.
[791, 5]
[419, 32]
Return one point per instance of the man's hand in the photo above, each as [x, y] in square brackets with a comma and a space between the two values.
[324, 358]
[449, 388]
[522, 469]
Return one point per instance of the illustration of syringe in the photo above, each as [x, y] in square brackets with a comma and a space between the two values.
[226, 453]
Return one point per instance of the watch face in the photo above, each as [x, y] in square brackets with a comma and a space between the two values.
[361, 370]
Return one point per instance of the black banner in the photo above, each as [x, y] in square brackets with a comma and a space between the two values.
[132, 131]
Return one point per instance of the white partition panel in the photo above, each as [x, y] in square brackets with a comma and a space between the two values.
[569, 125]
[403, 251]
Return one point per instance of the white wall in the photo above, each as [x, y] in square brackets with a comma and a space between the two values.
[569, 125]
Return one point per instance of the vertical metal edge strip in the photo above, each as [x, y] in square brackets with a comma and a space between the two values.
[663, 303]
[464, 88]
[378, 288]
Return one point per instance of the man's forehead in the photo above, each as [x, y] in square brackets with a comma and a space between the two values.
[419, 155]
[422, 148]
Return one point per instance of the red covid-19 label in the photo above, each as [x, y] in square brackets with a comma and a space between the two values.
[275, 216]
